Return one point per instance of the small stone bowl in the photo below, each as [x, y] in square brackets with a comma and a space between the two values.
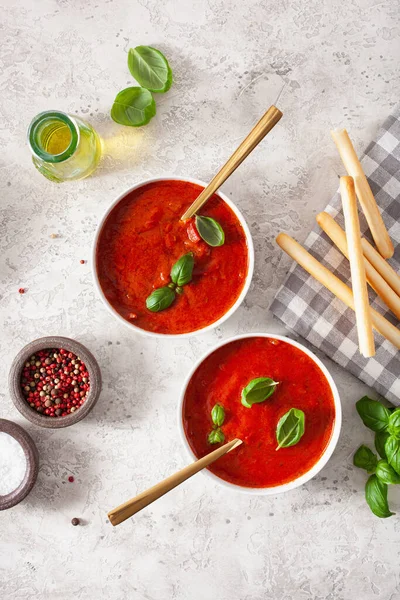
[32, 463]
[19, 399]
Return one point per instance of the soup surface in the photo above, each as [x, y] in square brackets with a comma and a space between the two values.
[141, 240]
[221, 378]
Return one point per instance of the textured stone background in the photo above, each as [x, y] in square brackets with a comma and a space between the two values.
[333, 63]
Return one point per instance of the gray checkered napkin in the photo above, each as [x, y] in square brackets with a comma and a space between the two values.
[308, 309]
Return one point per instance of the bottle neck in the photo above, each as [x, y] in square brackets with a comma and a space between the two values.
[53, 136]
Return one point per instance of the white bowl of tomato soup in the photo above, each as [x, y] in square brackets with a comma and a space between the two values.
[139, 239]
[302, 382]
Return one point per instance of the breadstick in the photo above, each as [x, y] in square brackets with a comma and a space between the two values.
[380, 264]
[334, 284]
[364, 193]
[357, 268]
[376, 281]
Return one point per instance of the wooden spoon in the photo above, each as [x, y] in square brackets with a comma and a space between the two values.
[131, 507]
[259, 131]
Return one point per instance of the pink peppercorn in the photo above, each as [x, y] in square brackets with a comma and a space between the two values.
[44, 383]
[71, 479]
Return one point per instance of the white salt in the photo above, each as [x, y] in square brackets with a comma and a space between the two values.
[12, 464]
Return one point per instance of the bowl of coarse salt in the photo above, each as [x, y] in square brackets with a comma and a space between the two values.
[19, 464]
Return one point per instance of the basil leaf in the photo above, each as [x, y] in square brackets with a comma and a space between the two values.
[386, 473]
[373, 414]
[245, 403]
[376, 497]
[211, 231]
[218, 415]
[134, 107]
[160, 299]
[394, 423]
[392, 449]
[181, 272]
[216, 437]
[150, 68]
[364, 458]
[290, 428]
[258, 390]
[380, 441]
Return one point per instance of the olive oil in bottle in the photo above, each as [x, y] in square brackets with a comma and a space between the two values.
[63, 147]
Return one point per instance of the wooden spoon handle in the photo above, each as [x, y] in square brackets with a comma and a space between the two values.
[131, 507]
[259, 131]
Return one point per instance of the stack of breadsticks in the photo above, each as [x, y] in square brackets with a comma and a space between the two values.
[367, 265]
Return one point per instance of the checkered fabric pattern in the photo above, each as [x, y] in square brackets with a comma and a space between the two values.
[308, 309]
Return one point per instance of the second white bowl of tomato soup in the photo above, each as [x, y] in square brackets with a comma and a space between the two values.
[138, 251]
[273, 394]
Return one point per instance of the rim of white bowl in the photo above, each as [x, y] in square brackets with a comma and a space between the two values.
[315, 469]
[224, 317]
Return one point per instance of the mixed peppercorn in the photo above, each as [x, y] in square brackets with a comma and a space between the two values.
[55, 382]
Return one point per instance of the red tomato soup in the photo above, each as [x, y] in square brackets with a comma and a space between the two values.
[141, 240]
[221, 378]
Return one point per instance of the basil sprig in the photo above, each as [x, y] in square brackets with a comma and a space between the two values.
[181, 274]
[210, 231]
[218, 417]
[150, 68]
[386, 424]
[290, 428]
[376, 497]
[133, 106]
[258, 390]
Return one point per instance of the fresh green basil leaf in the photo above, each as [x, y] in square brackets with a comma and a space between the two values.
[245, 403]
[380, 441]
[134, 107]
[373, 414]
[181, 272]
[392, 449]
[216, 436]
[218, 415]
[258, 390]
[394, 423]
[376, 497]
[150, 68]
[386, 473]
[290, 428]
[364, 458]
[211, 231]
[160, 299]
